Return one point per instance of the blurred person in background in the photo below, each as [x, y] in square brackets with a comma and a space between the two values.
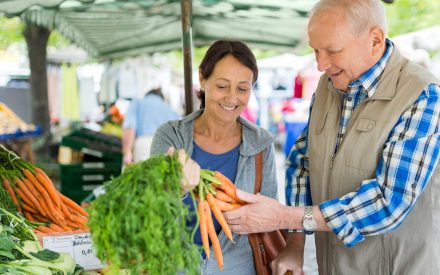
[364, 174]
[217, 138]
[143, 118]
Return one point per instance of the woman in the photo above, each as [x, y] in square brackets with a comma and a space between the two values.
[217, 138]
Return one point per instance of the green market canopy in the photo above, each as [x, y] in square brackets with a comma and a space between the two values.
[119, 28]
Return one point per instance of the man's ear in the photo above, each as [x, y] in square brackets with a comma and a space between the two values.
[378, 40]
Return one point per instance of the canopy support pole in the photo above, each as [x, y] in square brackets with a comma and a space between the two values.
[186, 8]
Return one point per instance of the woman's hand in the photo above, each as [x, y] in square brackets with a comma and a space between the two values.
[290, 259]
[190, 169]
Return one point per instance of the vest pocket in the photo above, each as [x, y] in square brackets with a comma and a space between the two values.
[367, 257]
[365, 125]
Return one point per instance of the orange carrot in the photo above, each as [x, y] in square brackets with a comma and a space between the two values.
[45, 229]
[224, 197]
[8, 187]
[70, 203]
[66, 228]
[29, 209]
[29, 217]
[40, 218]
[227, 186]
[48, 210]
[79, 220]
[39, 186]
[41, 171]
[204, 228]
[54, 213]
[47, 183]
[214, 238]
[27, 198]
[75, 226]
[44, 204]
[218, 214]
[225, 206]
[30, 187]
[65, 211]
[55, 227]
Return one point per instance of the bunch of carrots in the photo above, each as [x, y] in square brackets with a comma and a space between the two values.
[215, 194]
[35, 195]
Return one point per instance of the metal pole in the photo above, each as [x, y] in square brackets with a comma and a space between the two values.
[186, 7]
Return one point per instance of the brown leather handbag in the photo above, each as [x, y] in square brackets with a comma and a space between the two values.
[265, 246]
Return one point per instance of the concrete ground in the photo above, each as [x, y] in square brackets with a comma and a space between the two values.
[310, 265]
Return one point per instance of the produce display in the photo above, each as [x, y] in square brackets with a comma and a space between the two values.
[11, 123]
[34, 195]
[20, 250]
[140, 223]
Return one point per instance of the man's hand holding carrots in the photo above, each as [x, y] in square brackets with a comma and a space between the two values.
[260, 214]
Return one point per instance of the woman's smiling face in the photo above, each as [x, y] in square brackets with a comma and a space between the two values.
[227, 89]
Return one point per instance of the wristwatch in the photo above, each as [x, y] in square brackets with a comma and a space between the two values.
[309, 222]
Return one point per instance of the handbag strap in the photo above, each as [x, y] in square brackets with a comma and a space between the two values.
[258, 172]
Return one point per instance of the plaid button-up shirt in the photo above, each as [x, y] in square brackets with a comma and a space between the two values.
[408, 159]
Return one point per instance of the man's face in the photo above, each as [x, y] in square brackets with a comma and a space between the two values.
[341, 54]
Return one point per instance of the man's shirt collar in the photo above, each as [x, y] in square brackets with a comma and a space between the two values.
[370, 78]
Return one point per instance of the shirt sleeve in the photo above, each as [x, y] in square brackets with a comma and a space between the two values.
[130, 119]
[408, 159]
[297, 188]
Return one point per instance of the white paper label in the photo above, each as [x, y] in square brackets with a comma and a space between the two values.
[79, 246]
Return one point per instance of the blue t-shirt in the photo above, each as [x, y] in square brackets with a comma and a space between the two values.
[225, 163]
[147, 114]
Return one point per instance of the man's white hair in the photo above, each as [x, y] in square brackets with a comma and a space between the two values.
[361, 14]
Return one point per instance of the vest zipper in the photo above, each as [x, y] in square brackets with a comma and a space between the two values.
[332, 161]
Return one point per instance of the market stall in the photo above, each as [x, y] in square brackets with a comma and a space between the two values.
[43, 231]
[17, 134]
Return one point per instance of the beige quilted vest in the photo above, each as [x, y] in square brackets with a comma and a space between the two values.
[412, 248]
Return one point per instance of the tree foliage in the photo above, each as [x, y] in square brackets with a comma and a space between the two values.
[11, 32]
[411, 15]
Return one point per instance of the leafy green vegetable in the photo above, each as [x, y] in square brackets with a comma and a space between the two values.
[46, 255]
[25, 255]
[140, 222]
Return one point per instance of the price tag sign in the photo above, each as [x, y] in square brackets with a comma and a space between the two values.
[79, 246]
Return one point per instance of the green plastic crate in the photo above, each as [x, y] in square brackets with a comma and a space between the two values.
[78, 180]
[93, 148]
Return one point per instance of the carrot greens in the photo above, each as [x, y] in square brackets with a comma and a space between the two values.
[139, 223]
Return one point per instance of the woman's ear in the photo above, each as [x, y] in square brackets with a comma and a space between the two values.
[201, 80]
[378, 39]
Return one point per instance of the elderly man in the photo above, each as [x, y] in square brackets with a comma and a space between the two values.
[362, 175]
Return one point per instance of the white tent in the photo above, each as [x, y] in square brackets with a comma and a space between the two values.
[286, 61]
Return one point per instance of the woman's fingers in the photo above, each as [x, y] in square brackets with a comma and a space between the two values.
[191, 171]
[171, 151]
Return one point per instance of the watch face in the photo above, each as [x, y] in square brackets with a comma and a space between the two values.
[309, 224]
